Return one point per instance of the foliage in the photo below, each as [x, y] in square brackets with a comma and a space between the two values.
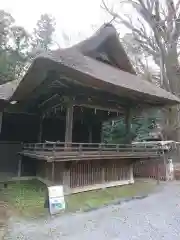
[6, 21]
[141, 59]
[115, 131]
[17, 46]
[43, 33]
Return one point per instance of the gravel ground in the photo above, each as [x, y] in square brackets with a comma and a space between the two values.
[155, 217]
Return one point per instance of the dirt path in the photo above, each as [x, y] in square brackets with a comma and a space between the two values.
[156, 217]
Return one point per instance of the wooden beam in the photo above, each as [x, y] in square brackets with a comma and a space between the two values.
[104, 106]
[48, 100]
[9, 111]
[97, 102]
[69, 123]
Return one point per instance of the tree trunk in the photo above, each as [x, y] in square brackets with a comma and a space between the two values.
[171, 114]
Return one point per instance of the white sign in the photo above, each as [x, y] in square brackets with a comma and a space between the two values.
[55, 191]
[56, 199]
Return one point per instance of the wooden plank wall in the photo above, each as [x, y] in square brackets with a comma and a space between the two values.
[117, 170]
[148, 169]
[58, 172]
[86, 173]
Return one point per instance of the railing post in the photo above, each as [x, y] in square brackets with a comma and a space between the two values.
[54, 148]
[43, 147]
[35, 147]
[132, 147]
[80, 148]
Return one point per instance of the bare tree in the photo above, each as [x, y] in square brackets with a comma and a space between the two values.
[157, 30]
[141, 59]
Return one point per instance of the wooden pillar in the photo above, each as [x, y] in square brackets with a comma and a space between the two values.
[128, 120]
[19, 166]
[158, 172]
[66, 178]
[165, 158]
[90, 133]
[102, 133]
[103, 171]
[131, 174]
[40, 130]
[53, 173]
[69, 123]
[1, 119]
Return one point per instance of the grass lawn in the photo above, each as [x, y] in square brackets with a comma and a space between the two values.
[27, 197]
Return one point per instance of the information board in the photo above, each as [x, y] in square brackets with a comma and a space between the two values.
[56, 199]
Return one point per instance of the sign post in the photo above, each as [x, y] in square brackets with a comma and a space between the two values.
[56, 199]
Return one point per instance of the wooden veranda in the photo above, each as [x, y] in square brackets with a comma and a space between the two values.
[87, 166]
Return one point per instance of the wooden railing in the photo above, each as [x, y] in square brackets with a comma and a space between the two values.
[83, 147]
[61, 151]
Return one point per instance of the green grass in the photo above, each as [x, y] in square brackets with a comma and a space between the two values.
[27, 197]
[101, 197]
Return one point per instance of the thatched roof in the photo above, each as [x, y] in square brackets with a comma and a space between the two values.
[106, 41]
[94, 74]
[100, 63]
[7, 89]
[6, 92]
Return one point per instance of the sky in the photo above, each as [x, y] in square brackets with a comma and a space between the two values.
[76, 18]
